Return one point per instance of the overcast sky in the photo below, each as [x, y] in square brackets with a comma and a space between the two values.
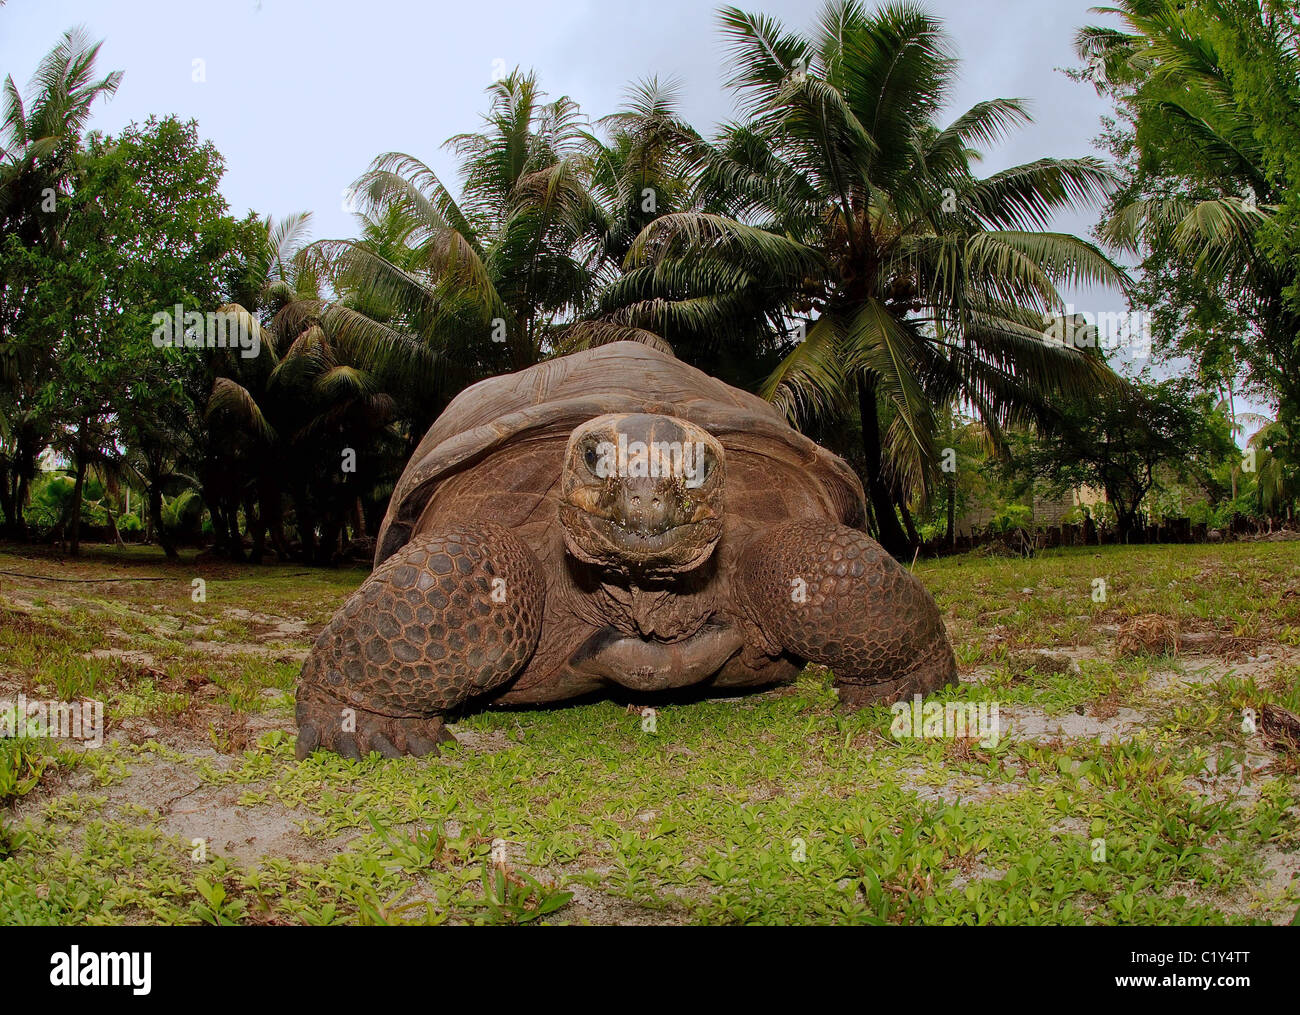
[300, 95]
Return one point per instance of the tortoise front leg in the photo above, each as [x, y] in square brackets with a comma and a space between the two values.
[450, 616]
[830, 594]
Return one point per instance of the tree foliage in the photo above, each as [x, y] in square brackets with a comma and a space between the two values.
[1130, 442]
[1207, 137]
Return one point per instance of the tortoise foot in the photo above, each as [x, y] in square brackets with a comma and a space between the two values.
[326, 723]
[934, 672]
[451, 616]
[829, 594]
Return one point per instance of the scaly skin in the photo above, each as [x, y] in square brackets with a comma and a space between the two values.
[451, 616]
[830, 594]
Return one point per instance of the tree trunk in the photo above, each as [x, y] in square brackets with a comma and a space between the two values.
[306, 523]
[155, 513]
[912, 535]
[327, 552]
[20, 470]
[952, 513]
[20, 502]
[889, 531]
[112, 522]
[256, 526]
[74, 535]
[156, 526]
[1125, 523]
[272, 511]
[8, 497]
[235, 540]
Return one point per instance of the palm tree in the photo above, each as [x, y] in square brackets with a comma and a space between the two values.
[648, 165]
[1203, 202]
[437, 292]
[481, 284]
[323, 398]
[318, 401]
[841, 221]
[39, 139]
[1276, 487]
[641, 164]
[643, 167]
[964, 457]
[236, 393]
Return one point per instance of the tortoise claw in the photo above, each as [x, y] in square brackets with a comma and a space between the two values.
[419, 745]
[381, 744]
[308, 740]
[321, 727]
[345, 745]
[421, 636]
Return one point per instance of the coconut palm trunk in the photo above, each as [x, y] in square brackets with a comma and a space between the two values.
[889, 533]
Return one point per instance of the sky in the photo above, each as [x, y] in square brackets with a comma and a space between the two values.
[300, 95]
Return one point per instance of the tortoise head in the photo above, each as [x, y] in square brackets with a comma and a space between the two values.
[642, 493]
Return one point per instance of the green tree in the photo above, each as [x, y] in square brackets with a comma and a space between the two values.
[39, 141]
[147, 229]
[1276, 488]
[1131, 442]
[319, 415]
[238, 396]
[842, 212]
[484, 281]
[1207, 136]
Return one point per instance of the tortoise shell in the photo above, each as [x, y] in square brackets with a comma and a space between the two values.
[495, 453]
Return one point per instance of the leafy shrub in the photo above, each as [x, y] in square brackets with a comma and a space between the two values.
[22, 762]
[1010, 517]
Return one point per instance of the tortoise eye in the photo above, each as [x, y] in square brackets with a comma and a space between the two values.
[590, 458]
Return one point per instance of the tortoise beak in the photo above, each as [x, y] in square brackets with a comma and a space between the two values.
[598, 540]
[647, 508]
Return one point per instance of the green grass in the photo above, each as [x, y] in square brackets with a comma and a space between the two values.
[776, 808]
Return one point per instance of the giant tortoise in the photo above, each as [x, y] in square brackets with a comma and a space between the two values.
[612, 520]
